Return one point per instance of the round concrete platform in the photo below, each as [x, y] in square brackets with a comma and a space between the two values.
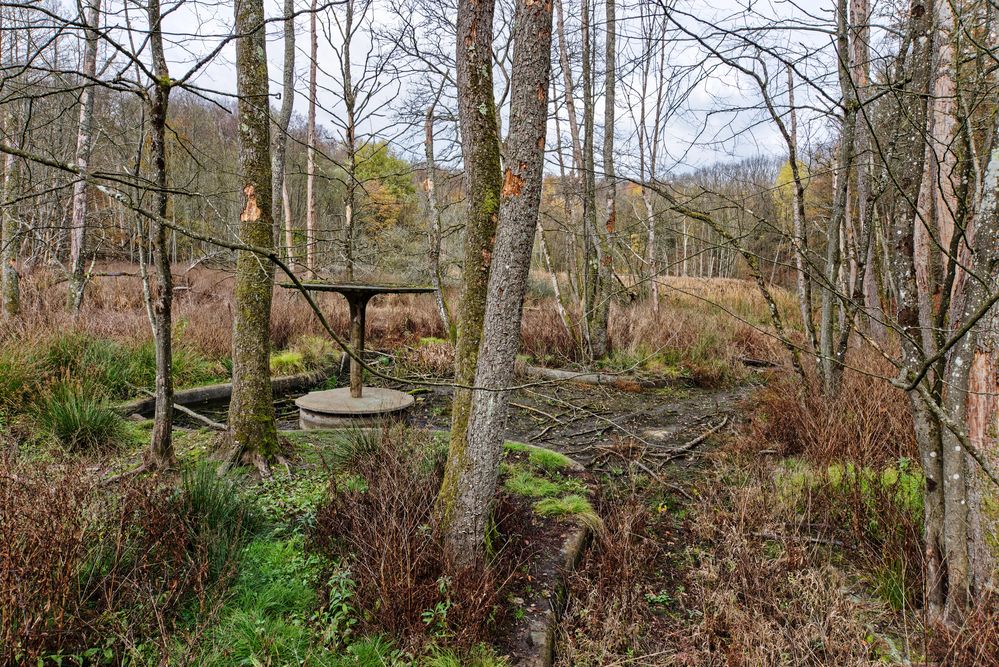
[336, 407]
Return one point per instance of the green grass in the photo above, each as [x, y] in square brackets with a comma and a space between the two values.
[219, 513]
[570, 505]
[288, 362]
[478, 656]
[542, 458]
[523, 483]
[274, 616]
[265, 621]
[79, 418]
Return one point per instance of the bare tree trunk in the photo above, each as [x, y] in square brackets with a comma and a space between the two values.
[799, 230]
[600, 315]
[830, 360]
[483, 182]
[349, 99]
[435, 219]
[84, 140]
[521, 198]
[282, 205]
[161, 447]
[592, 248]
[252, 428]
[10, 299]
[310, 140]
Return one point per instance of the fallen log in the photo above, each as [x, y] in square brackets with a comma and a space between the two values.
[619, 381]
[222, 391]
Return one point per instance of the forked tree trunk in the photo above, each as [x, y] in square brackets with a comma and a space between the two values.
[84, 141]
[161, 446]
[252, 428]
[481, 155]
[519, 204]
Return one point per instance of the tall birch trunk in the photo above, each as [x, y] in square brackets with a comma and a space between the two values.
[279, 196]
[436, 270]
[350, 143]
[84, 142]
[310, 143]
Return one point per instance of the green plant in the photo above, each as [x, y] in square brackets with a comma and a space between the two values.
[523, 483]
[436, 618]
[219, 514]
[79, 418]
[287, 362]
[338, 617]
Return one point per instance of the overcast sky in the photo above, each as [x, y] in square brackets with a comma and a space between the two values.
[721, 118]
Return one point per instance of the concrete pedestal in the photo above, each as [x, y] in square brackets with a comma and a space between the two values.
[336, 408]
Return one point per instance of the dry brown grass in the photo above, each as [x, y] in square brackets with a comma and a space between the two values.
[868, 422]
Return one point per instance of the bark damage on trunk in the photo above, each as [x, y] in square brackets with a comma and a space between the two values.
[474, 484]
[252, 428]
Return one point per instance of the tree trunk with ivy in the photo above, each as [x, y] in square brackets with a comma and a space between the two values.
[252, 428]
[481, 155]
[520, 199]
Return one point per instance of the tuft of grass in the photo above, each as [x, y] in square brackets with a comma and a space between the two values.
[220, 515]
[539, 457]
[523, 483]
[548, 460]
[79, 418]
[18, 377]
[479, 655]
[569, 505]
[572, 506]
[287, 362]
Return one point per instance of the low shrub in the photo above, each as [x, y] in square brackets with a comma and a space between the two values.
[79, 418]
[388, 537]
[867, 422]
[96, 574]
[604, 616]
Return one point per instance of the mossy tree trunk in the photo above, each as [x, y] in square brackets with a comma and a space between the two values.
[161, 446]
[252, 428]
[481, 155]
[519, 204]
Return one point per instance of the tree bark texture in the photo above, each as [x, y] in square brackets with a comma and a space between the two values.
[161, 446]
[84, 142]
[481, 154]
[520, 199]
[279, 195]
[251, 413]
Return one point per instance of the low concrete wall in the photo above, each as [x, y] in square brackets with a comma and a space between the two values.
[220, 392]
